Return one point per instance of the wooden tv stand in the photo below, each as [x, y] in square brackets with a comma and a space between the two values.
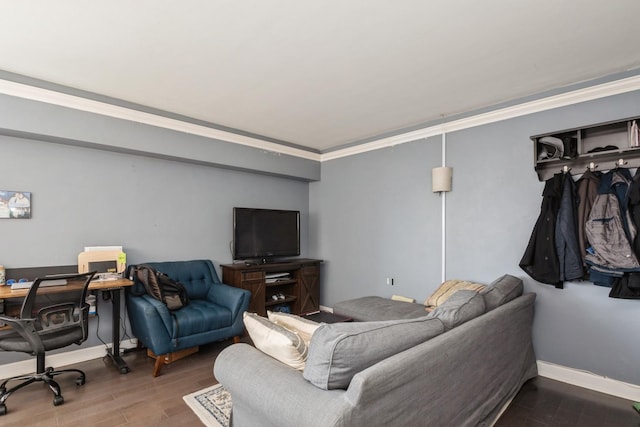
[298, 280]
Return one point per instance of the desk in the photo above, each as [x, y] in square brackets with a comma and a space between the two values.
[110, 285]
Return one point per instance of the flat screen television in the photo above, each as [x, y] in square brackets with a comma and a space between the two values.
[265, 234]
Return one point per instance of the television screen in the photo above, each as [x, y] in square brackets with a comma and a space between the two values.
[265, 233]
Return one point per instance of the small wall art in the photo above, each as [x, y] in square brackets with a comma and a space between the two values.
[15, 204]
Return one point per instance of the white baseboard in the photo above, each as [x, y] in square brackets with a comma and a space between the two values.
[329, 309]
[58, 360]
[589, 380]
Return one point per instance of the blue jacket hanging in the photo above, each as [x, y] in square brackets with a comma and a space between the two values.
[567, 243]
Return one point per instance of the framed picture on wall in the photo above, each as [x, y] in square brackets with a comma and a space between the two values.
[15, 204]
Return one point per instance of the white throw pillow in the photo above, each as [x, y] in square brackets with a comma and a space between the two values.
[276, 341]
[303, 327]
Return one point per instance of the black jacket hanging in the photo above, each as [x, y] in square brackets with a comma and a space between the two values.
[626, 287]
[540, 259]
[634, 209]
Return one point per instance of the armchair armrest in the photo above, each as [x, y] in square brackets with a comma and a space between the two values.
[151, 322]
[228, 296]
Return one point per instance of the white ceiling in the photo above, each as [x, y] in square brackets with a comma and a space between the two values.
[319, 74]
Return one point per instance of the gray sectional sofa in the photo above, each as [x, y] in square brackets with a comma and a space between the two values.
[400, 366]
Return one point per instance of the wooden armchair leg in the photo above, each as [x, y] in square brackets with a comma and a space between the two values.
[158, 365]
[236, 339]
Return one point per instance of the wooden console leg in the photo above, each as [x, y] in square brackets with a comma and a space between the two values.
[158, 365]
[236, 339]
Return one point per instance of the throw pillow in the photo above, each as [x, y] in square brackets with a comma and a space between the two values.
[338, 351]
[462, 306]
[501, 291]
[276, 341]
[448, 288]
[303, 327]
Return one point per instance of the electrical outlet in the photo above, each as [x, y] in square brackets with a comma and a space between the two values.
[390, 281]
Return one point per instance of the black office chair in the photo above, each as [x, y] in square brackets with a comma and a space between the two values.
[54, 314]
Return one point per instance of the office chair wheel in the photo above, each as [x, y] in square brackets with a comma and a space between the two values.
[3, 409]
[80, 381]
[58, 400]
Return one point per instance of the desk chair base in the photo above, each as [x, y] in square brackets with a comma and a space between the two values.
[46, 377]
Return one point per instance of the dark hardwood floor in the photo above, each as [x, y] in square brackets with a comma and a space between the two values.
[137, 399]
[111, 399]
[543, 402]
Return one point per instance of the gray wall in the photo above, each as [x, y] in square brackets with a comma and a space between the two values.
[157, 209]
[373, 215]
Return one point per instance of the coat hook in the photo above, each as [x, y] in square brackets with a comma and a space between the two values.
[566, 169]
[592, 166]
[620, 163]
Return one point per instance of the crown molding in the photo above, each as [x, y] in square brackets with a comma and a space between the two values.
[97, 107]
[616, 87]
[33, 93]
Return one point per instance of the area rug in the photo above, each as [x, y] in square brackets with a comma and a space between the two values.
[212, 405]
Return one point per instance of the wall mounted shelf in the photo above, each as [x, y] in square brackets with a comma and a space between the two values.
[600, 147]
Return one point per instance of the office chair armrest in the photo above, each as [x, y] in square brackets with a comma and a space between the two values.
[26, 329]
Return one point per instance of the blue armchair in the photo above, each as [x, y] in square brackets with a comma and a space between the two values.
[214, 312]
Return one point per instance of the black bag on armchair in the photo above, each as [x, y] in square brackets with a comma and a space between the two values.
[163, 288]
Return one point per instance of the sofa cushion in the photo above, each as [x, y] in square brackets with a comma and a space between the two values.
[338, 351]
[460, 307]
[373, 308]
[276, 341]
[303, 327]
[501, 291]
[448, 288]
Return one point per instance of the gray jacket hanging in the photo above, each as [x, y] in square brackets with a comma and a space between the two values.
[608, 229]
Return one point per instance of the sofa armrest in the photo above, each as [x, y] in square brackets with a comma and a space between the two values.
[266, 392]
